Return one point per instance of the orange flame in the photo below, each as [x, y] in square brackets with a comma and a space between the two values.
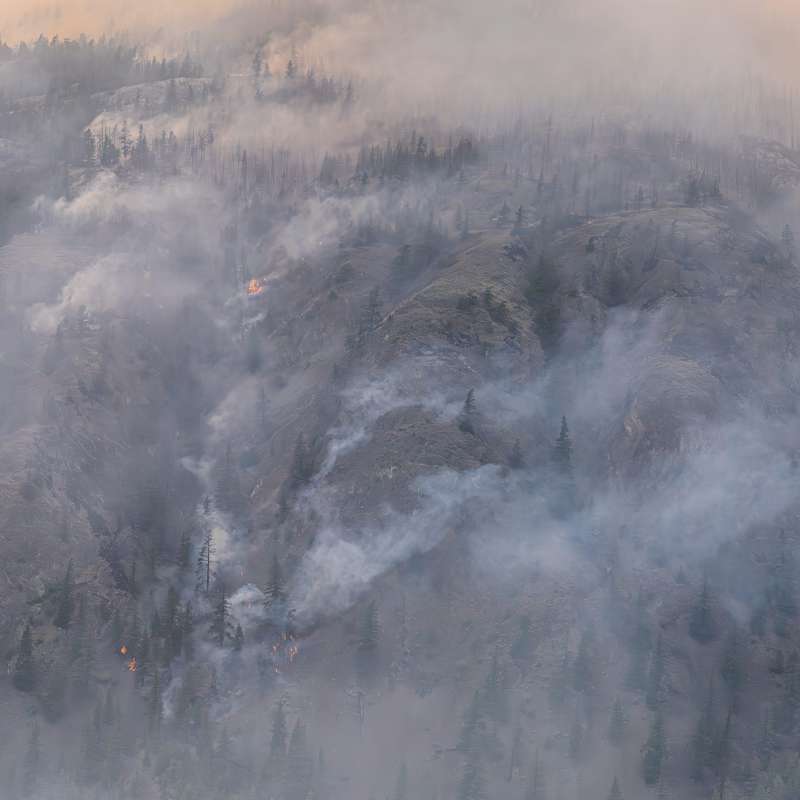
[254, 287]
[132, 665]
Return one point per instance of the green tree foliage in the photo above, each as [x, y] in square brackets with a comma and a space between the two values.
[24, 676]
[654, 751]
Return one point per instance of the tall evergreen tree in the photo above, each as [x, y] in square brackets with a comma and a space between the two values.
[562, 452]
[299, 765]
[655, 677]
[654, 751]
[65, 600]
[616, 723]
[536, 789]
[615, 793]
[24, 677]
[32, 763]
[473, 784]
[368, 641]
[275, 590]
[701, 621]
[204, 569]
[221, 619]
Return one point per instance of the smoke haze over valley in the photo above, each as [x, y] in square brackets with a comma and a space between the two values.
[399, 399]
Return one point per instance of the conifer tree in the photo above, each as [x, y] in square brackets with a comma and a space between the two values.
[616, 724]
[473, 784]
[299, 765]
[704, 737]
[655, 676]
[582, 666]
[221, 619]
[24, 676]
[466, 420]
[536, 783]
[204, 569]
[368, 640]
[654, 751]
[562, 452]
[65, 600]
[615, 793]
[470, 725]
[275, 590]
[31, 764]
[701, 622]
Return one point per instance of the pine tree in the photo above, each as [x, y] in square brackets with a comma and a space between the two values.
[616, 724]
[275, 590]
[615, 793]
[654, 750]
[24, 677]
[301, 469]
[277, 746]
[516, 458]
[65, 600]
[523, 647]
[472, 785]
[155, 705]
[536, 783]
[299, 765]
[493, 696]
[732, 668]
[471, 725]
[655, 677]
[204, 569]
[468, 412]
[187, 635]
[238, 639]
[582, 666]
[701, 622]
[562, 452]
[704, 737]
[31, 764]
[185, 550]
[401, 788]
[368, 641]
[221, 619]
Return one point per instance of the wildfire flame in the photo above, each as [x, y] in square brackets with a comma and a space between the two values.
[254, 287]
[123, 651]
[132, 665]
